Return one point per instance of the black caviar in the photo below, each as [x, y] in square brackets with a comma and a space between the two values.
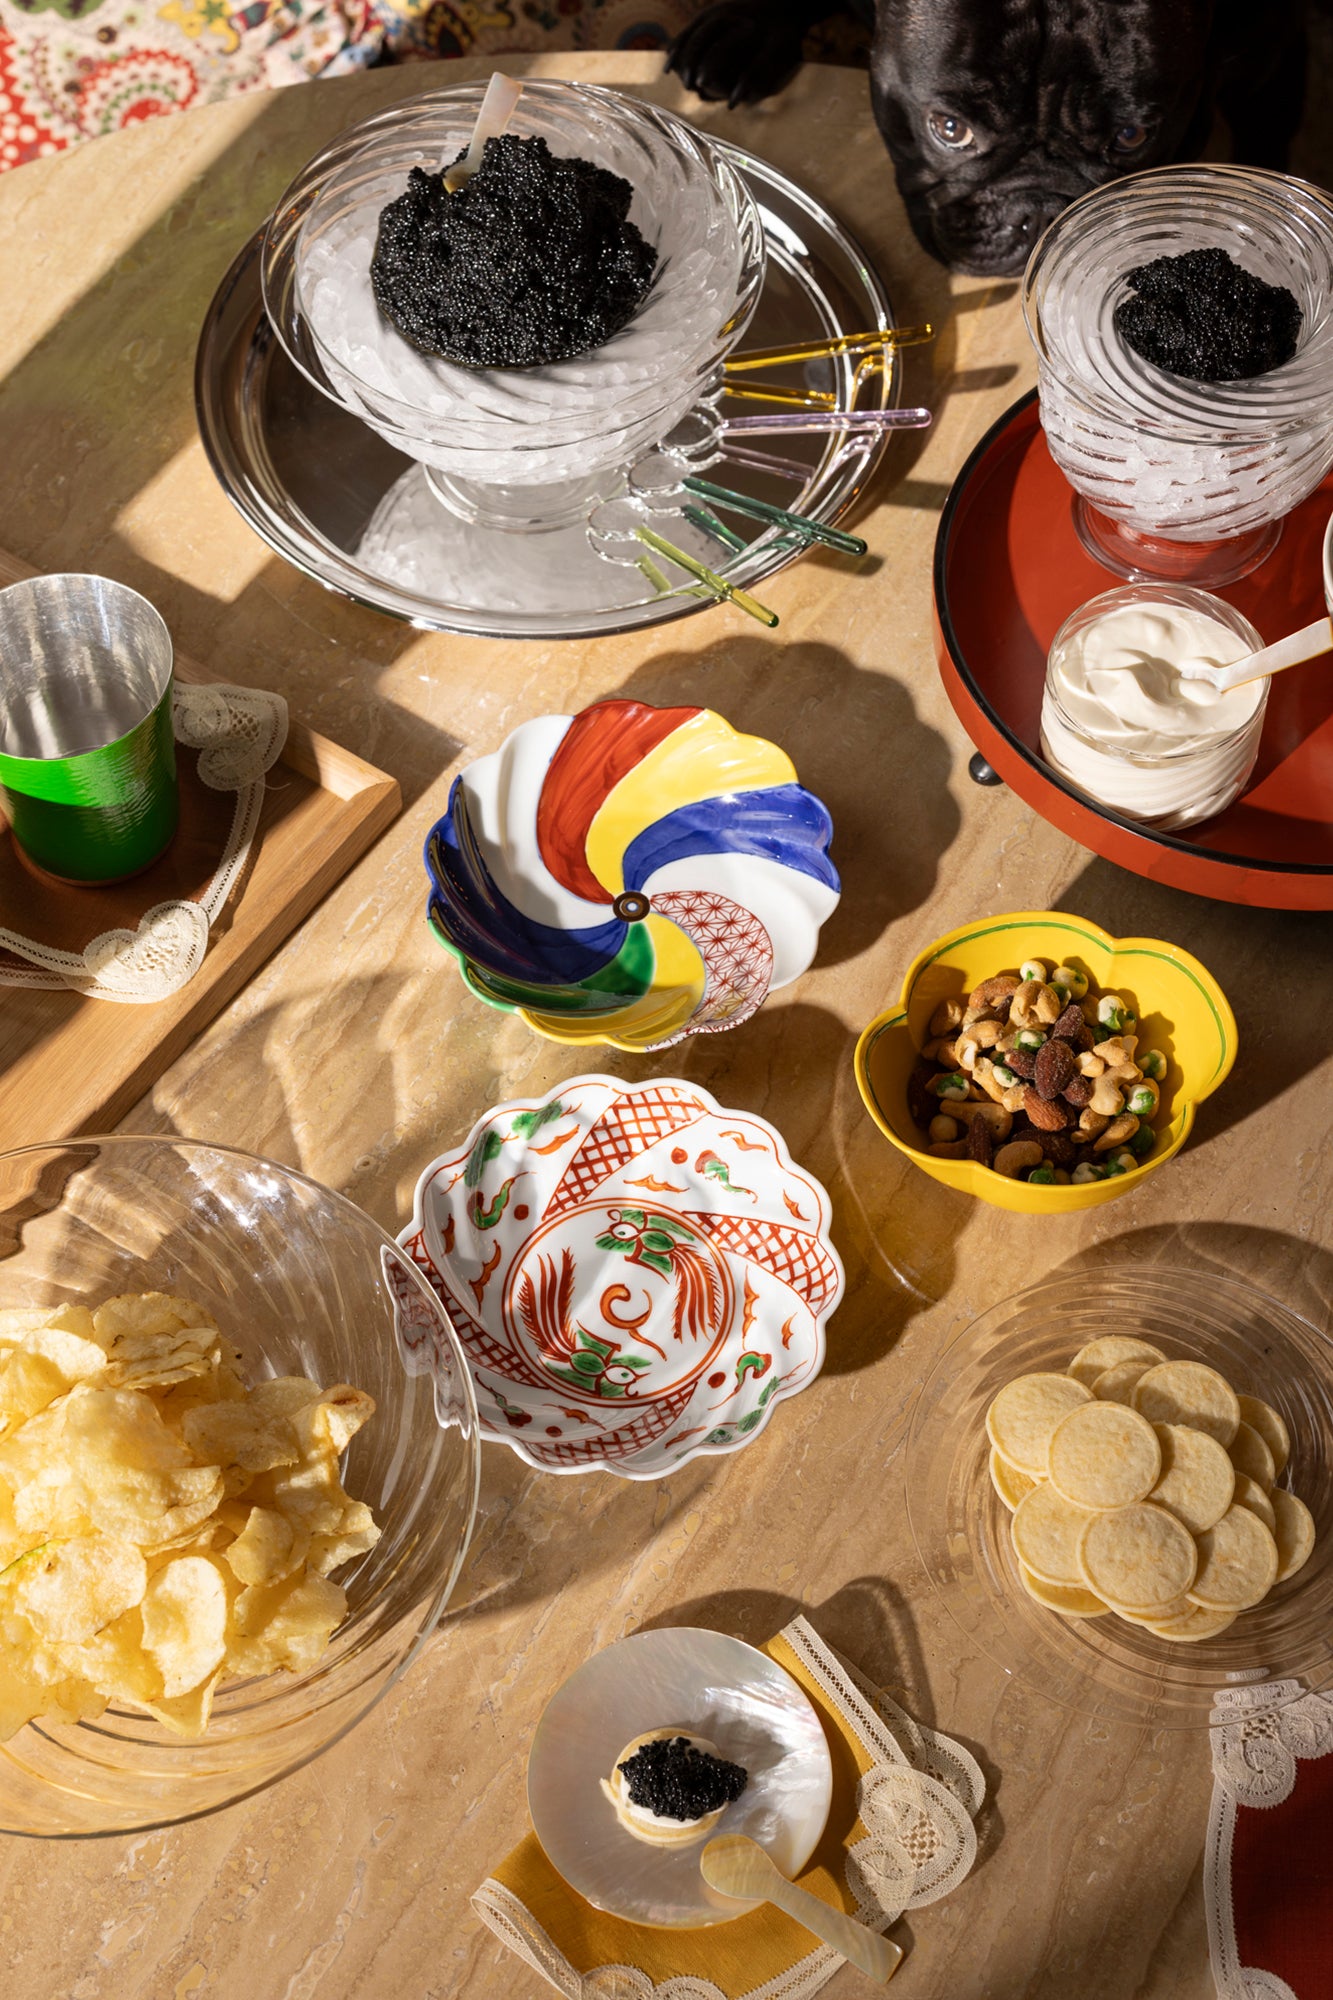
[673, 1779]
[532, 260]
[1205, 316]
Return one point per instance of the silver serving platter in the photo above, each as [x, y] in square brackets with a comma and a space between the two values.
[340, 504]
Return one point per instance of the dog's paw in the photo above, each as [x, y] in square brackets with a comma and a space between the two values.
[737, 53]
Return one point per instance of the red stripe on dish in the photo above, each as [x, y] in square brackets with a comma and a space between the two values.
[600, 746]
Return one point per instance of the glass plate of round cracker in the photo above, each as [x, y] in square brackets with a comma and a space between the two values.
[1226, 1380]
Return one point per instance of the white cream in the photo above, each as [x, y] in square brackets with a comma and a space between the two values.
[650, 1826]
[1121, 723]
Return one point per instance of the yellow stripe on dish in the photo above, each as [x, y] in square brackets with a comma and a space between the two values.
[671, 1000]
[701, 759]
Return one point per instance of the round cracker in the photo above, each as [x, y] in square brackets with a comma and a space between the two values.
[1262, 1417]
[1186, 1392]
[1249, 1493]
[1011, 1484]
[1238, 1563]
[1069, 1601]
[1138, 1558]
[1104, 1455]
[1294, 1534]
[1108, 1352]
[1193, 1624]
[1022, 1416]
[1249, 1453]
[1046, 1531]
[1197, 1481]
[1116, 1385]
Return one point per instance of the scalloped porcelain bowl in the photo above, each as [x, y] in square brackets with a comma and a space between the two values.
[519, 445]
[636, 1275]
[631, 874]
[1181, 1008]
[303, 1283]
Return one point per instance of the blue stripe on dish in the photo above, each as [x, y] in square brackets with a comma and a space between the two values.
[783, 823]
[480, 922]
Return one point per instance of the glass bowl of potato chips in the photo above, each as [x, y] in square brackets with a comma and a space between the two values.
[238, 1475]
[1121, 1485]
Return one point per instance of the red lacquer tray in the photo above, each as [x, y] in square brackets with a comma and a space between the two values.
[1008, 571]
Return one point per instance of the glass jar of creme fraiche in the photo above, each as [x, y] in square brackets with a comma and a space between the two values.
[1121, 723]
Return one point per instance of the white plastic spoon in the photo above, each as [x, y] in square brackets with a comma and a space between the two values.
[1307, 644]
[497, 108]
[738, 1866]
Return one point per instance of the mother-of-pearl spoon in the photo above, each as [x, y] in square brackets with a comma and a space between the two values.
[1307, 644]
[497, 108]
[738, 1866]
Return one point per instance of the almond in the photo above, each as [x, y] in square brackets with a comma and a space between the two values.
[1056, 1063]
[1046, 1116]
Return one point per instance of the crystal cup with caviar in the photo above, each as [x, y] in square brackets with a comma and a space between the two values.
[1179, 477]
[518, 447]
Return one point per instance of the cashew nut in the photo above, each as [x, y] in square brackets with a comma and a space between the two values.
[1015, 1158]
[1050, 1005]
[1023, 1007]
[955, 1150]
[1090, 1064]
[947, 1016]
[1107, 1098]
[1116, 1133]
[943, 1130]
[1015, 1098]
[986, 1033]
[983, 1072]
[947, 1053]
[994, 1115]
[965, 1050]
[1091, 1122]
[990, 1000]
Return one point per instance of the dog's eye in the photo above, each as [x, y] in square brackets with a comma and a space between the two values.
[1131, 138]
[948, 130]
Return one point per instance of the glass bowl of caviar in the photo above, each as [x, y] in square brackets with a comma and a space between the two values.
[1183, 324]
[528, 335]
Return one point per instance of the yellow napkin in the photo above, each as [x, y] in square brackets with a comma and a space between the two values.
[735, 1957]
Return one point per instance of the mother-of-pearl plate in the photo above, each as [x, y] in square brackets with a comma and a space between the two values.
[712, 1686]
[636, 1275]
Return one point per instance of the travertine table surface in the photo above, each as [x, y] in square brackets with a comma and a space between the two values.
[357, 1055]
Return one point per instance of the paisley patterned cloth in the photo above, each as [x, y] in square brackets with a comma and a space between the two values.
[71, 69]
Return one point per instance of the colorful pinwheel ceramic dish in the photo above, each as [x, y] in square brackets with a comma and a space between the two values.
[630, 874]
[635, 1275]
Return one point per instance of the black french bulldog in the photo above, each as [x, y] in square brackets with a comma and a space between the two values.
[998, 113]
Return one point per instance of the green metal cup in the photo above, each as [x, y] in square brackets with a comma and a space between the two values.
[87, 754]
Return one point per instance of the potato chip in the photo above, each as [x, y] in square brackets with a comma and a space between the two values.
[1197, 1480]
[114, 1662]
[22, 1696]
[343, 1410]
[287, 1625]
[1249, 1493]
[1238, 1563]
[187, 1714]
[357, 1533]
[1116, 1385]
[1249, 1453]
[1011, 1484]
[1024, 1413]
[1109, 1352]
[28, 1382]
[240, 1440]
[1186, 1392]
[1069, 1601]
[268, 1548]
[17, 1322]
[146, 1315]
[1137, 1558]
[1046, 1531]
[1104, 1455]
[284, 1395]
[1193, 1624]
[1294, 1533]
[1262, 1417]
[184, 1614]
[66, 1341]
[68, 1590]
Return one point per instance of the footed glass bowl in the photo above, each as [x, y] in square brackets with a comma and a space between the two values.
[520, 447]
[304, 1284]
[1187, 481]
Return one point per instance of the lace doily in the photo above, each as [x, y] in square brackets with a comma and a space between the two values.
[1256, 1746]
[239, 733]
[917, 1803]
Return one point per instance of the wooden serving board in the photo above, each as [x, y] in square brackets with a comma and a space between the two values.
[69, 1064]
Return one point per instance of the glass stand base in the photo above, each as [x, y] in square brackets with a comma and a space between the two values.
[1155, 558]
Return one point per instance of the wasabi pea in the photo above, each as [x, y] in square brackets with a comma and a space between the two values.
[1032, 968]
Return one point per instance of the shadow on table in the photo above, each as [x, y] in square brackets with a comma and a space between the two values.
[1273, 966]
[1291, 1268]
[824, 711]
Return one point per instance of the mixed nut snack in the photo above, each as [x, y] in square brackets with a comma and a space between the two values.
[1039, 1078]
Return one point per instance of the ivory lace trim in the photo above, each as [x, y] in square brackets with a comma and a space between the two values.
[239, 733]
[1256, 1746]
[917, 1803]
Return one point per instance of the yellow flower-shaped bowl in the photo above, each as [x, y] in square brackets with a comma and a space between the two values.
[1181, 1008]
